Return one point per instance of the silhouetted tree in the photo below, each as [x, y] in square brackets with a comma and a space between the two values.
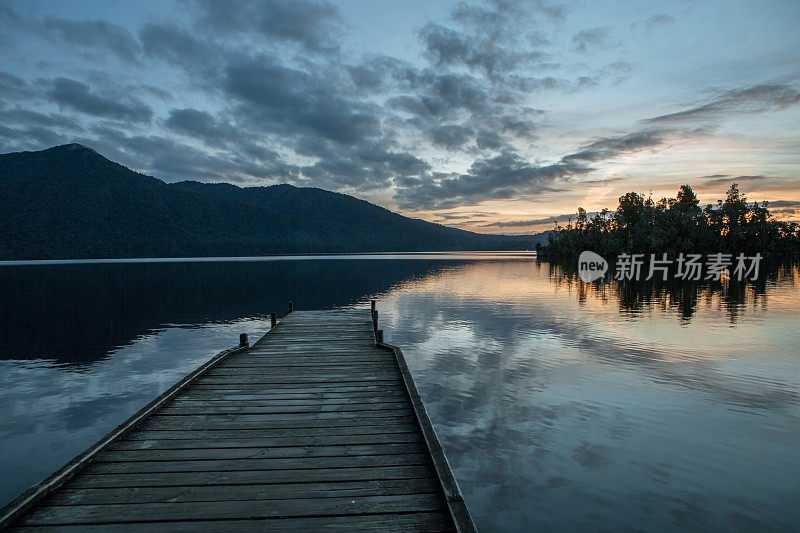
[675, 225]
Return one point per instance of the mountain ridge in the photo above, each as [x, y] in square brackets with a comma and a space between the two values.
[71, 202]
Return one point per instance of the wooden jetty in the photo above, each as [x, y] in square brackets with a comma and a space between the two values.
[317, 426]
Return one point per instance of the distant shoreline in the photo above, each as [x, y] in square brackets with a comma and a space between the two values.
[459, 255]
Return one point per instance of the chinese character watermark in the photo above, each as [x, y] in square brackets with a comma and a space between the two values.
[688, 267]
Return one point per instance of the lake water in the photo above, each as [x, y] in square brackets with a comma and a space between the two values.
[561, 405]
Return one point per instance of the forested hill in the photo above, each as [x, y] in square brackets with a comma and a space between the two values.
[71, 202]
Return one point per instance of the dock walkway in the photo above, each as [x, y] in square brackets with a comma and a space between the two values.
[314, 427]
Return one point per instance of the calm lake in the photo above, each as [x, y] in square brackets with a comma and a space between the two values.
[561, 405]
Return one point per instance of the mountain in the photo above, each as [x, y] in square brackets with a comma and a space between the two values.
[71, 202]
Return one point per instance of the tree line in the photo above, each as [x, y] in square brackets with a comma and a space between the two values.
[641, 225]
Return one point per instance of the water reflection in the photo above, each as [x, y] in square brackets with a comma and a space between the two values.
[79, 313]
[570, 406]
[682, 297]
[561, 405]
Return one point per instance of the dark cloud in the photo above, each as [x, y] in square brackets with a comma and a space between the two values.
[79, 96]
[9, 19]
[447, 47]
[489, 140]
[13, 87]
[441, 96]
[608, 147]
[93, 34]
[26, 117]
[725, 179]
[292, 101]
[169, 158]
[451, 136]
[158, 92]
[592, 39]
[621, 67]
[377, 73]
[601, 181]
[178, 46]
[218, 132]
[658, 20]
[530, 84]
[314, 25]
[496, 37]
[8, 15]
[29, 138]
[531, 222]
[785, 203]
[199, 124]
[365, 167]
[786, 213]
[503, 176]
[755, 99]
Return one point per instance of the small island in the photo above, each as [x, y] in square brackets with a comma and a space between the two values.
[672, 226]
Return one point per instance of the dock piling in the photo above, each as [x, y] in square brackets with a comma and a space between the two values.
[273, 319]
[291, 307]
[243, 341]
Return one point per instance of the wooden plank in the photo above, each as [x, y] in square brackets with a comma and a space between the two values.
[296, 398]
[301, 399]
[321, 387]
[253, 509]
[295, 421]
[212, 407]
[306, 364]
[252, 465]
[281, 491]
[266, 442]
[146, 432]
[431, 522]
[243, 452]
[294, 379]
[318, 388]
[305, 361]
[239, 477]
[319, 375]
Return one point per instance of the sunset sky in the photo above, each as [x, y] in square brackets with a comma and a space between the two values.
[490, 116]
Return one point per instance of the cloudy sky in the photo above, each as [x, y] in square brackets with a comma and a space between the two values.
[494, 116]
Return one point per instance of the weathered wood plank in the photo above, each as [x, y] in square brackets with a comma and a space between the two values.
[432, 522]
[297, 398]
[303, 399]
[146, 433]
[309, 363]
[242, 452]
[295, 421]
[281, 491]
[211, 407]
[266, 442]
[252, 465]
[301, 387]
[239, 477]
[252, 509]
[268, 378]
